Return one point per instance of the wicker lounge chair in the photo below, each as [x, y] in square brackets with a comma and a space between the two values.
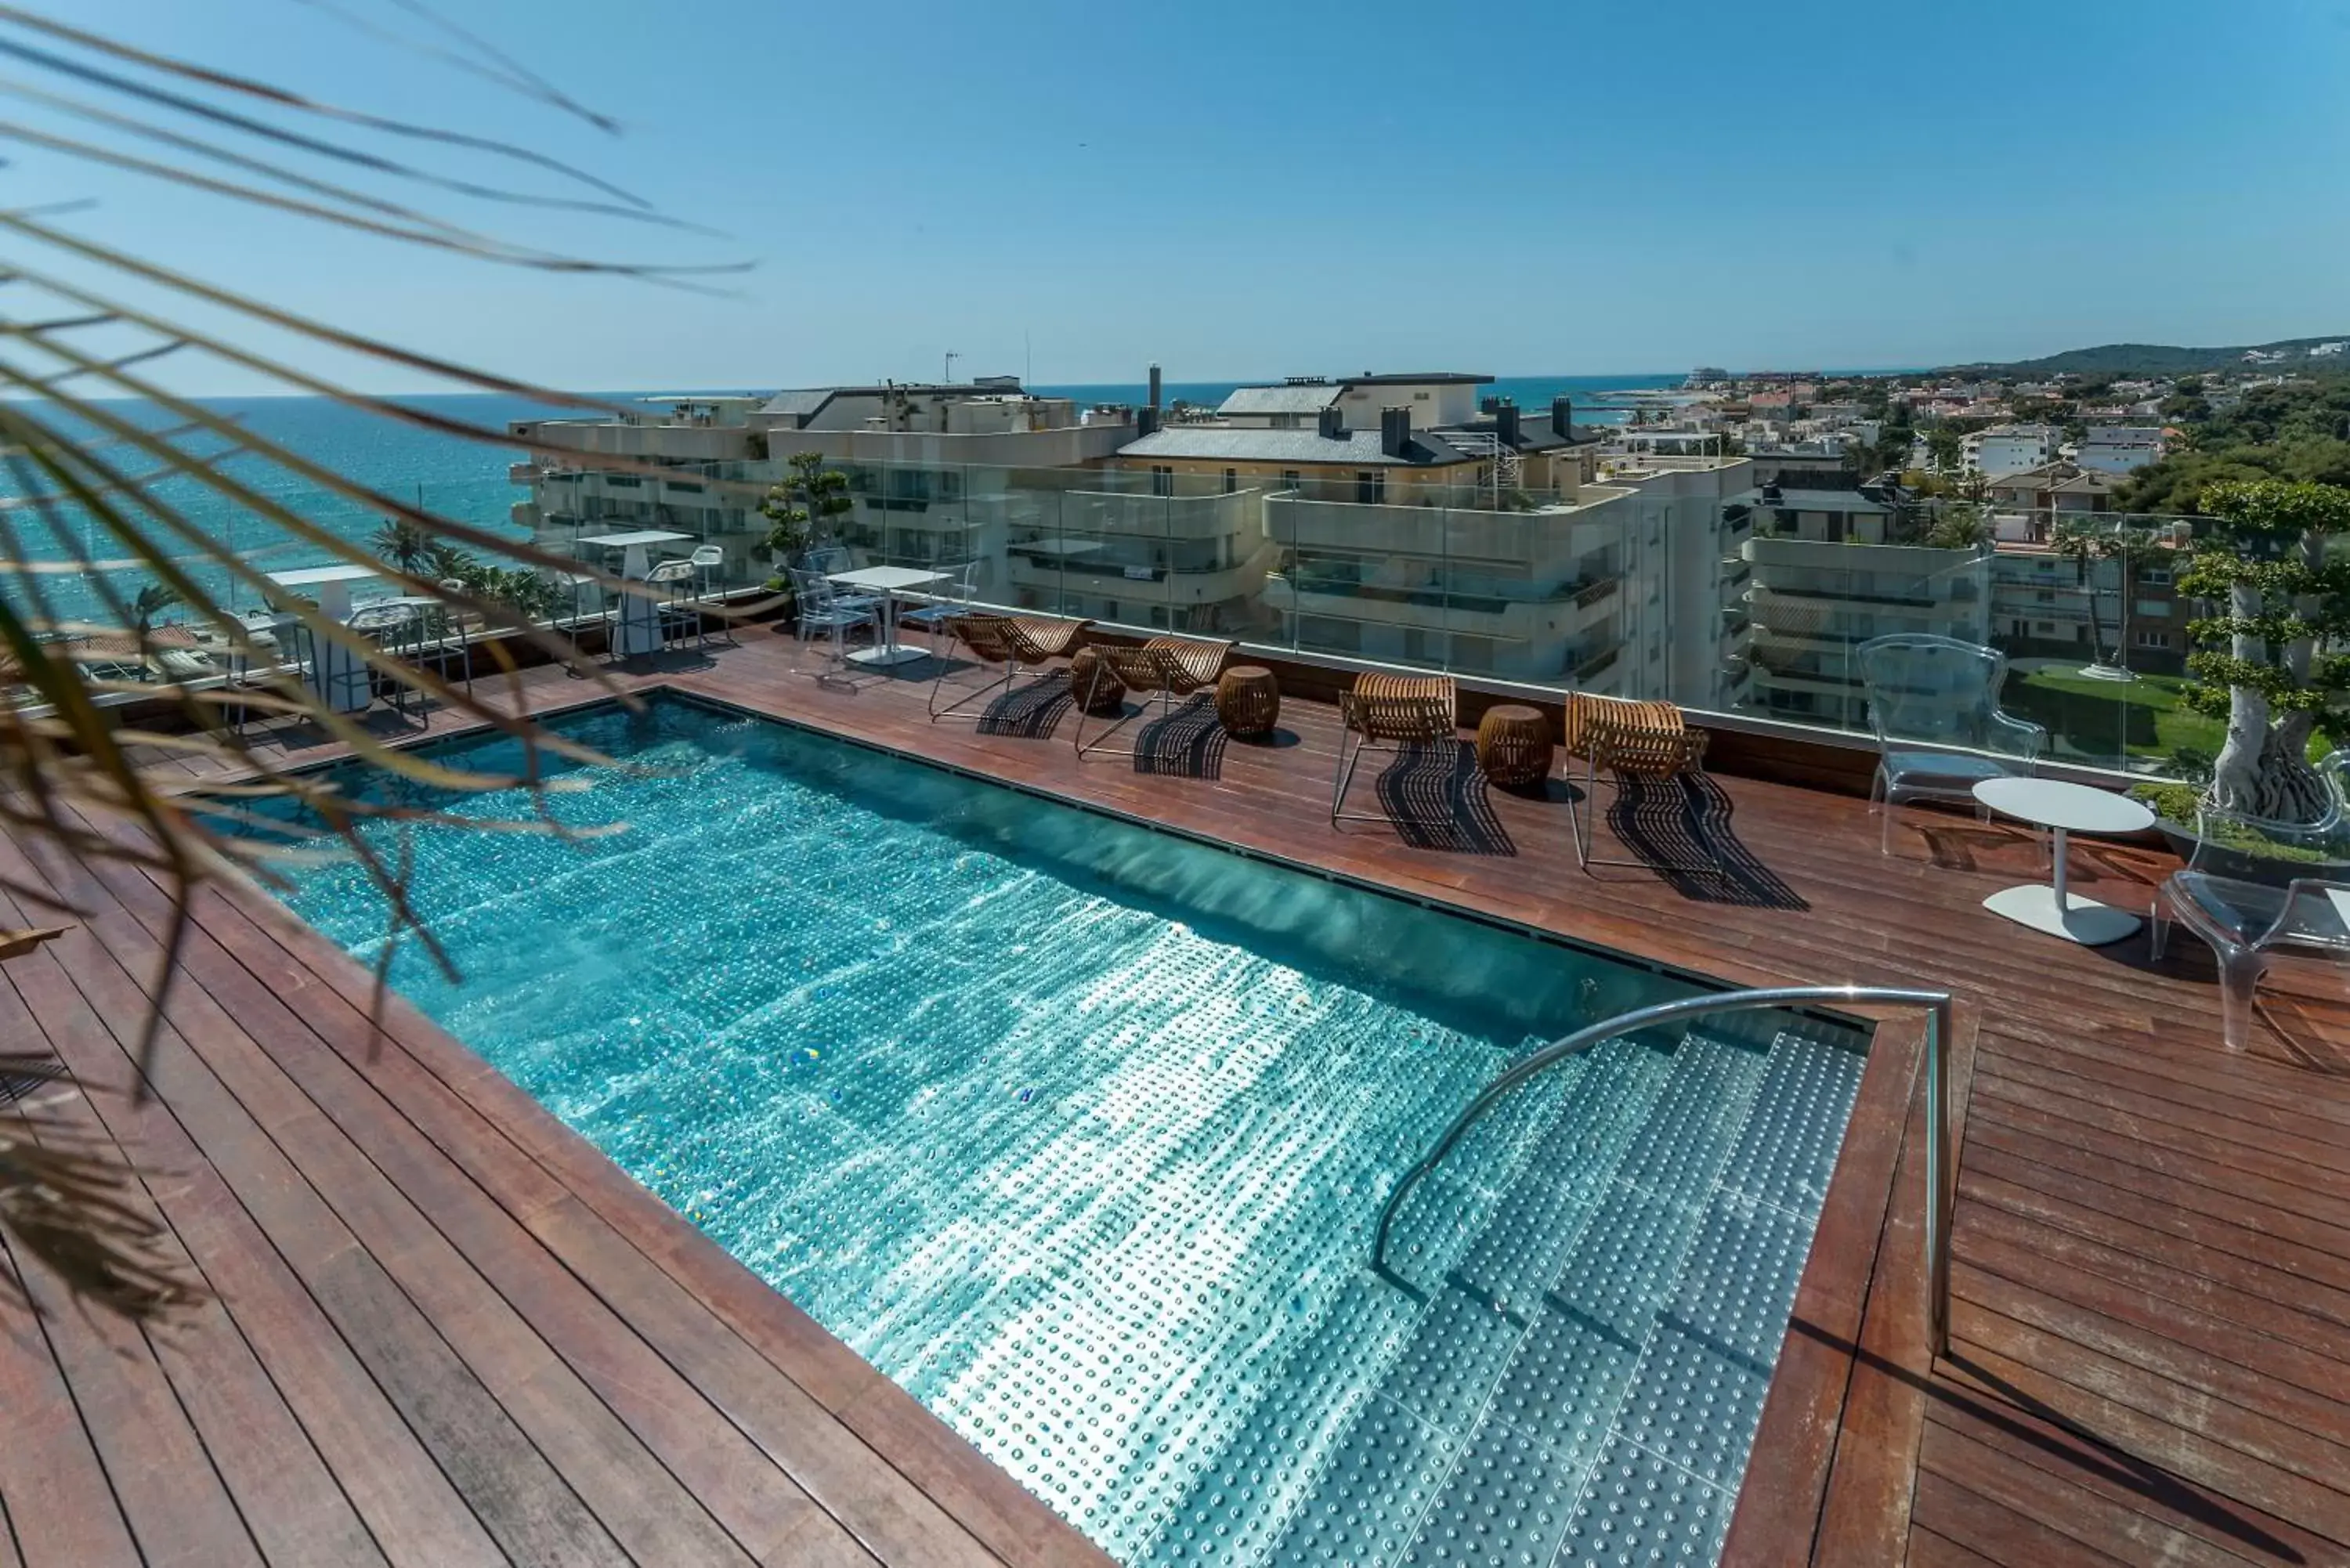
[1625, 738]
[1171, 667]
[1010, 640]
[1389, 714]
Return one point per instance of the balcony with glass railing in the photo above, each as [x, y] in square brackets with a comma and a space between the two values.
[1603, 588]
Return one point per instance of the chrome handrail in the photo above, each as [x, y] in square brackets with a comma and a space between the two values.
[1938, 1121]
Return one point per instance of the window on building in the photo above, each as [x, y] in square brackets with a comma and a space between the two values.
[1232, 480]
[1291, 479]
[1162, 480]
[2045, 628]
[623, 481]
[1371, 486]
[2153, 640]
[2154, 609]
[2154, 577]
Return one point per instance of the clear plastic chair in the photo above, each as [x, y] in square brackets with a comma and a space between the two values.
[2253, 887]
[825, 560]
[948, 599]
[1933, 702]
[822, 610]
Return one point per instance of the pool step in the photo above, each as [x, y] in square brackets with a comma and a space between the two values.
[1581, 1376]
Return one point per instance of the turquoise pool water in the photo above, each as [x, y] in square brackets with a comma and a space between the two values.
[1077, 1130]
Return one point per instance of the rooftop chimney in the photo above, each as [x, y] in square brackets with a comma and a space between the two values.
[1505, 422]
[1395, 430]
[1146, 421]
[1562, 418]
[1154, 390]
[1334, 422]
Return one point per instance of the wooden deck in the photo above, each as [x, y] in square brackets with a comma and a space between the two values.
[449, 1331]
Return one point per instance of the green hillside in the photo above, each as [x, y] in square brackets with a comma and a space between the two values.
[2169, 359]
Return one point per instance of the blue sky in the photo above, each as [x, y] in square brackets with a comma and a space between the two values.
[1237, 189]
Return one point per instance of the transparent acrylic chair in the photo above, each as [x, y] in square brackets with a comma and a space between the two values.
[1933, 702]
[2253, 889]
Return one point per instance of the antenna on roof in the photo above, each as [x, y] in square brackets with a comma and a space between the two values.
[948, 379]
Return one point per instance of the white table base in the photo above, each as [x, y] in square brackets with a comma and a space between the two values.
[2084, 920]
[637, 628]
[2050, 909]
[899, 654]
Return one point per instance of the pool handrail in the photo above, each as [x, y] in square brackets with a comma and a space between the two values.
[1939, 1173]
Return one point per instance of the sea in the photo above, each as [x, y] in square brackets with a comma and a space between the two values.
[453, 477]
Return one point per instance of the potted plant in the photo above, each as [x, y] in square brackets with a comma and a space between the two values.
[802, 507]
[2269, 659]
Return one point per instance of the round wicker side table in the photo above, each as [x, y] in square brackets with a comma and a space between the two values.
[1248, 700]
[1109, 690]
[1513, 744]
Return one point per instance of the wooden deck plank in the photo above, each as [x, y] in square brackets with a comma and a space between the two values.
[2019, 1452]
[2154, 1235]
[397, 1203]
[411, 1511]
[517, 1496]
[62, 1511]
[2024, 1524]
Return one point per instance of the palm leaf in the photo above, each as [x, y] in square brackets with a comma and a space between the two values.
[93, 510]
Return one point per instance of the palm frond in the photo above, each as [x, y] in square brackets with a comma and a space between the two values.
[100, 541]
[277, 96]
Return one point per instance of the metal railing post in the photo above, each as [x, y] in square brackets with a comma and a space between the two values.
[1939, 1186]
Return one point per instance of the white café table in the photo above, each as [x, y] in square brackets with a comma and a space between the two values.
[2063, 809]
[889, 582]
[338, 674]
[637, 628]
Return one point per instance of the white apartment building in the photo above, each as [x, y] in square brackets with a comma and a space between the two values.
[1814, 601]
[1616, 587]
[2005, 449]
[2120, 448]
[939, 475]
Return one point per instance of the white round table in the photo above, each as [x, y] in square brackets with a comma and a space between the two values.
[2063, 809]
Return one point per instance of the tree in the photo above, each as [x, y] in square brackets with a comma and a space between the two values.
[403, 541]
[448, 564]
[1957, 525]
[2088, 544]
[804, 505]
[2272, 663]
[1945, 450]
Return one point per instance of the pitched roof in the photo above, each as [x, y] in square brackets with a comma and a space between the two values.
[1279, 400]
[1355, 448]
[807, 400]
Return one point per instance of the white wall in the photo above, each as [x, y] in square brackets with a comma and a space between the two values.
[1433, 404]
[1998, 454]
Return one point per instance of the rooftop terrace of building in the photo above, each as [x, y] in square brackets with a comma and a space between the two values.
[449, 1330]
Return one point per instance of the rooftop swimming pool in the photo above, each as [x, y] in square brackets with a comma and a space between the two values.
[1078, 1130]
